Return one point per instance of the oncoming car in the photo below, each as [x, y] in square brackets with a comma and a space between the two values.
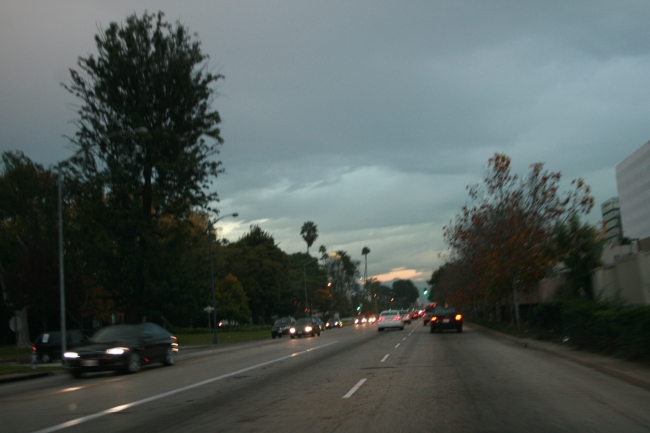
[304, 326]
[334, 322]
[281, 326]
[123, 348]
[390, 319]
[446, 318]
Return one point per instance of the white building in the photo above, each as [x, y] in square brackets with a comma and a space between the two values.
[633, 182]
[611, 212]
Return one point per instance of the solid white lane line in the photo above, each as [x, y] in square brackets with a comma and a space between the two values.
[396, 346]
[384, 358]
[120, 408]
[354, 388]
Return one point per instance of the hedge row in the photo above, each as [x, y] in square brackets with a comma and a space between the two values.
[605, 328]
[242, 328]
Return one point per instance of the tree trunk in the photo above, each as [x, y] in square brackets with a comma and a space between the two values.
[23, 334]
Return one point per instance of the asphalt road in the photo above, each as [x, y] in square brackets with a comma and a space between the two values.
[353, 379]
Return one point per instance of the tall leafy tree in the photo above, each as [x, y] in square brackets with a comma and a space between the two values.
[147, 136]
[505, 238]
[364, 252]
[404, 292]
[28, 239]
[262, 269]
[309, 233]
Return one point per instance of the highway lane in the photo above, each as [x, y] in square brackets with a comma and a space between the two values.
[352, 379]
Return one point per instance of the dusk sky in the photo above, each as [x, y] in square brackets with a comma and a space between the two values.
[368, 118]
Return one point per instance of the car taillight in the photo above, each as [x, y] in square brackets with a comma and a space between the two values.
[381, 319]
[34, 348]
[458, 317]
[434, 319]
[397, 318]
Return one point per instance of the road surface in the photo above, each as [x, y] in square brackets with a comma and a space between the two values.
[353, 379]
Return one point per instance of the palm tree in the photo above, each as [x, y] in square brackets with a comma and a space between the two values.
[365, 251]
[309, 233]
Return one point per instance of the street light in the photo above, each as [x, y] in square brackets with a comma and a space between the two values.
[215, 339]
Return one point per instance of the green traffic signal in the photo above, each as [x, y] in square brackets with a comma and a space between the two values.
[425, 291]
[359, 308]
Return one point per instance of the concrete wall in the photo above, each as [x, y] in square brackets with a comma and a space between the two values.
[628, 277]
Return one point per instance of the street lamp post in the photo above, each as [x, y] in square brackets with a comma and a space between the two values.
[215, 339]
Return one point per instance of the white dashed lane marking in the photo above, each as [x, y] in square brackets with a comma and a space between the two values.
[354, 389]
[384, 358]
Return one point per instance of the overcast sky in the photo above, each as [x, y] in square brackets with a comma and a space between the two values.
[368, 118]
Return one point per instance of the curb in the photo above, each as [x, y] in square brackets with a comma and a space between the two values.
[24, 376]
[627, 376]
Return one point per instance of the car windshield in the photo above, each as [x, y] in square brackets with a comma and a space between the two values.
[115, 333]
[304, 321]
[283, 321]
[389, 313]
[332, 321]
[439, 311]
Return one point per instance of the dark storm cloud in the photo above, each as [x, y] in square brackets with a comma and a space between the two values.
[368, 118]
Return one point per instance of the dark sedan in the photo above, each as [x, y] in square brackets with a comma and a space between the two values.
[304, 326]
[124, 348]
[281, 326]
[446, 318]
[334, 322]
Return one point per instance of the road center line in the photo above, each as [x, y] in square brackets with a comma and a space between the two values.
[384, 358]
[397, 345]
[354, 388]
[120, 408]
[404, 339]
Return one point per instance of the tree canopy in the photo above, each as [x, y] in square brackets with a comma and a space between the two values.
[146, 139]
[309, 233]
[504, 240]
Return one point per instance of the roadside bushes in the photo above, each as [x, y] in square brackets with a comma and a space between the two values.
[602, 327]
[238, 328]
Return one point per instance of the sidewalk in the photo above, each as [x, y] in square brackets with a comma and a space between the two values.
[634, 373]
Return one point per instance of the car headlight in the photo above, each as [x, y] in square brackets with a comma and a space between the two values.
[117, 350]
[292, 330]
[307, 328]
[71, 355]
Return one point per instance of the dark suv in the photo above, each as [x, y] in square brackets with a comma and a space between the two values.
[281, 326]
[47, 346]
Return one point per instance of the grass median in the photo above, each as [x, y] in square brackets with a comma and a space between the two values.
[199, 337]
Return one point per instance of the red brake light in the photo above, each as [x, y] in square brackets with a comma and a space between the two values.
[397, 318]
[458, 316]
[381, 319]
[434, 319]
[34, 348]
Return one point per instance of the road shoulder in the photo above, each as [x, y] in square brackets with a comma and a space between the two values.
[630, 372]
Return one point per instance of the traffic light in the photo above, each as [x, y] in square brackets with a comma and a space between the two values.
[425, 292]
[359, 308]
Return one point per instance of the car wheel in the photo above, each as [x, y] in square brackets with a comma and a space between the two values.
[401, 329]
[133, 365]
[292, 337]
[273, 336]
[279, 335]
[380, 329]
[75, 373]
[460, 329]
[170, 357]
[45, 358]
[432, 330]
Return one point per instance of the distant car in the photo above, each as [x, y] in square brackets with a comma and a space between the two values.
[372, 319]
[124, 348]
[334, 322]
[390, 319]
[304, 326]
[360, 320]
[406, 316]
[428, 311]
[416, 314]
[47, 346]
[446, 318]
[281, 326]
